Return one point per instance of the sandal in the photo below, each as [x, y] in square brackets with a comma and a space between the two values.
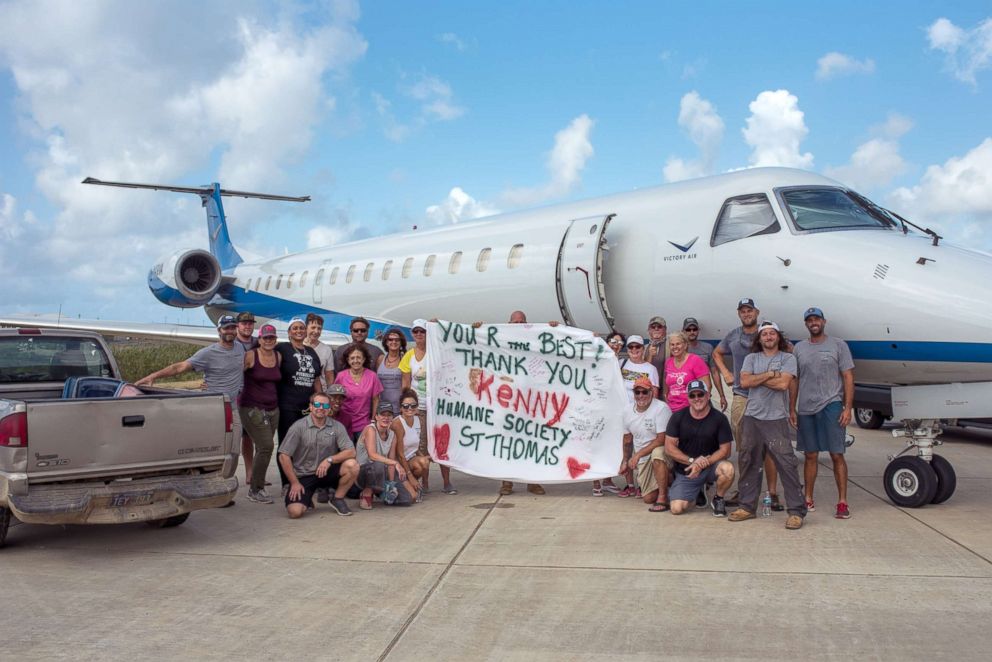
[597, 491]
[365, 500]
[658, 507]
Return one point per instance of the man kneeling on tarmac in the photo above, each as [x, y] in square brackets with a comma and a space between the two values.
[698, 440]
[318, 453]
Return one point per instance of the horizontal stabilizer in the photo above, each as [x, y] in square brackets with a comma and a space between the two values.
[199, 190]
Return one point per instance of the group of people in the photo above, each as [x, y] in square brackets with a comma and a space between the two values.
[676, 443]
[351, 423]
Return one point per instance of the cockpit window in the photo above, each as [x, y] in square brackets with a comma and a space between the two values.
[744, 216]
[833, 209]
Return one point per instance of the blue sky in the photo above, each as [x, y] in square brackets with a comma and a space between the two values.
[394, 114]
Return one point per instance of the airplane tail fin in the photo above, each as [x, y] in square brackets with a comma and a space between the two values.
[220, 240]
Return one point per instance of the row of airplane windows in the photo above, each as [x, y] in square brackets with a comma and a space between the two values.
[454, 264]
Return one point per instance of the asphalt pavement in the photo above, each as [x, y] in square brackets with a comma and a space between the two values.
[564, 576]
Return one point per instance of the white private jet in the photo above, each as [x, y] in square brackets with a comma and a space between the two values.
[914, 309]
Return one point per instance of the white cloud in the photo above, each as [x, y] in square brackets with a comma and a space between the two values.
[967, 52]
[698, 118]
[565, 163]
[325, 235]
[451, 39]
[775, 129]
[458, 206]
[836, 64]
[435, 102]
[877, 161]
[137, 91]
[955, 197]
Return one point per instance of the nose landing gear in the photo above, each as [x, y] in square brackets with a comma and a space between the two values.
[914, 481]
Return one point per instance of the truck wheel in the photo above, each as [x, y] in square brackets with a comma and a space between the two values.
[947, 480]
[910, 482]
[168, 522]
[869, 419]
[4, 524]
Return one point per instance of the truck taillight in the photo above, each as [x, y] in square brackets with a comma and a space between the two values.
[14, 430]
[228, 418]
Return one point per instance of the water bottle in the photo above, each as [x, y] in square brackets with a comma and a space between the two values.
[766, 505]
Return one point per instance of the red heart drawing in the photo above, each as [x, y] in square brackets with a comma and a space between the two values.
[442, 435]
[575, 468]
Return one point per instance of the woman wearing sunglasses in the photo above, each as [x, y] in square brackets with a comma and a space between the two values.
[388, 367]
[407, 428]
[414, 369]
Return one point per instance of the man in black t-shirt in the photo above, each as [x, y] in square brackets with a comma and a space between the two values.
[698, 440]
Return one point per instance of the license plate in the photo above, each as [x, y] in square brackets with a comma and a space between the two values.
[138, 499]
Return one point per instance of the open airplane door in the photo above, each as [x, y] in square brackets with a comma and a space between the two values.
[581, 294]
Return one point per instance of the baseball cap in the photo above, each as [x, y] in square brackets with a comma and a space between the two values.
[746, 302]
[635, 340]
[266, 331]
[226, 320]
[384, 408]
[697, 385]
[768, 324]
[689, 321]
[643, 382]
[813, 310]
[336, 389]
[419, 324]
[657, 319]
[295, 320]
[246, 317]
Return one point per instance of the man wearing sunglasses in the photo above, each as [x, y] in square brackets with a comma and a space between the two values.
[359, 335]
[644, 425]
[656, 351]
[768, 374]
[318, 453]
[698, 440]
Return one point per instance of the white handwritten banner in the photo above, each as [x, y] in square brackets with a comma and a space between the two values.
[524, 402]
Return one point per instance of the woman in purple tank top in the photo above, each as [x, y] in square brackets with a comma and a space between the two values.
[259, 407]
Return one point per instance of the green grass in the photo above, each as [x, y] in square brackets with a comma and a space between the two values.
[137, 359]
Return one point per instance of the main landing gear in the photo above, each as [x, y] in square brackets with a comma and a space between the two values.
[914, 481]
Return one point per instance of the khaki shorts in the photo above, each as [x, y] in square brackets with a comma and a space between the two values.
[737, 406]
[645, 470]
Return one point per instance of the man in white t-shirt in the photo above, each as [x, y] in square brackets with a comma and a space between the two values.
[644, 425]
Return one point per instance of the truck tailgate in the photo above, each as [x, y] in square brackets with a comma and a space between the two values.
[105, 438]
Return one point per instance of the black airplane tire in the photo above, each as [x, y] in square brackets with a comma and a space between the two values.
[4, 524]
[868, 419]
[168, 522]
[947, 480]
[910, 482]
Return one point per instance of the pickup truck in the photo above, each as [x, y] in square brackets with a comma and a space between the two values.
[80, 446]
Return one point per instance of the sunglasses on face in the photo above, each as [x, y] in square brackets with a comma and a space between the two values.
[633, 348]
[691, 329]
[359, 330]
[321, 405]
[409, 406]
[392, 339]
[640, 391]
[657, 326]
[418, 331]
[697, 396]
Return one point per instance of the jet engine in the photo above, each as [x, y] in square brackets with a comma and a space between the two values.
[185, 279]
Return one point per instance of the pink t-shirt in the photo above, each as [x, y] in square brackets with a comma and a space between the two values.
[356, 410]
[678, 380]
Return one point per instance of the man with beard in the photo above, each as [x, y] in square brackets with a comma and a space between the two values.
[738, 344]
[704, 350]
[822, 405]
[767, 373]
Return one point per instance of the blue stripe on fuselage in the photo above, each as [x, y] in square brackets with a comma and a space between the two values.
[915, 351]
[236, 300]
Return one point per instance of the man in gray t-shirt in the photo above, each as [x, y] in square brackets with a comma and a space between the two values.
[821, 407]
[768, 375]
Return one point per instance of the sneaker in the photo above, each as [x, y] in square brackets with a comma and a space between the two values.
[740, 515]
[776, 504]
[339, 506]
[322, 495]
[794, 522]
[701, 500]
[719, 507]
[259, 496]
[611, 488]
[506, 488]
[843, 512]
[534, 488]
[626, 492]
[810, 506]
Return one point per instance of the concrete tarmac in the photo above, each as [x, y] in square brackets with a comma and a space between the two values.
[565, 576]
